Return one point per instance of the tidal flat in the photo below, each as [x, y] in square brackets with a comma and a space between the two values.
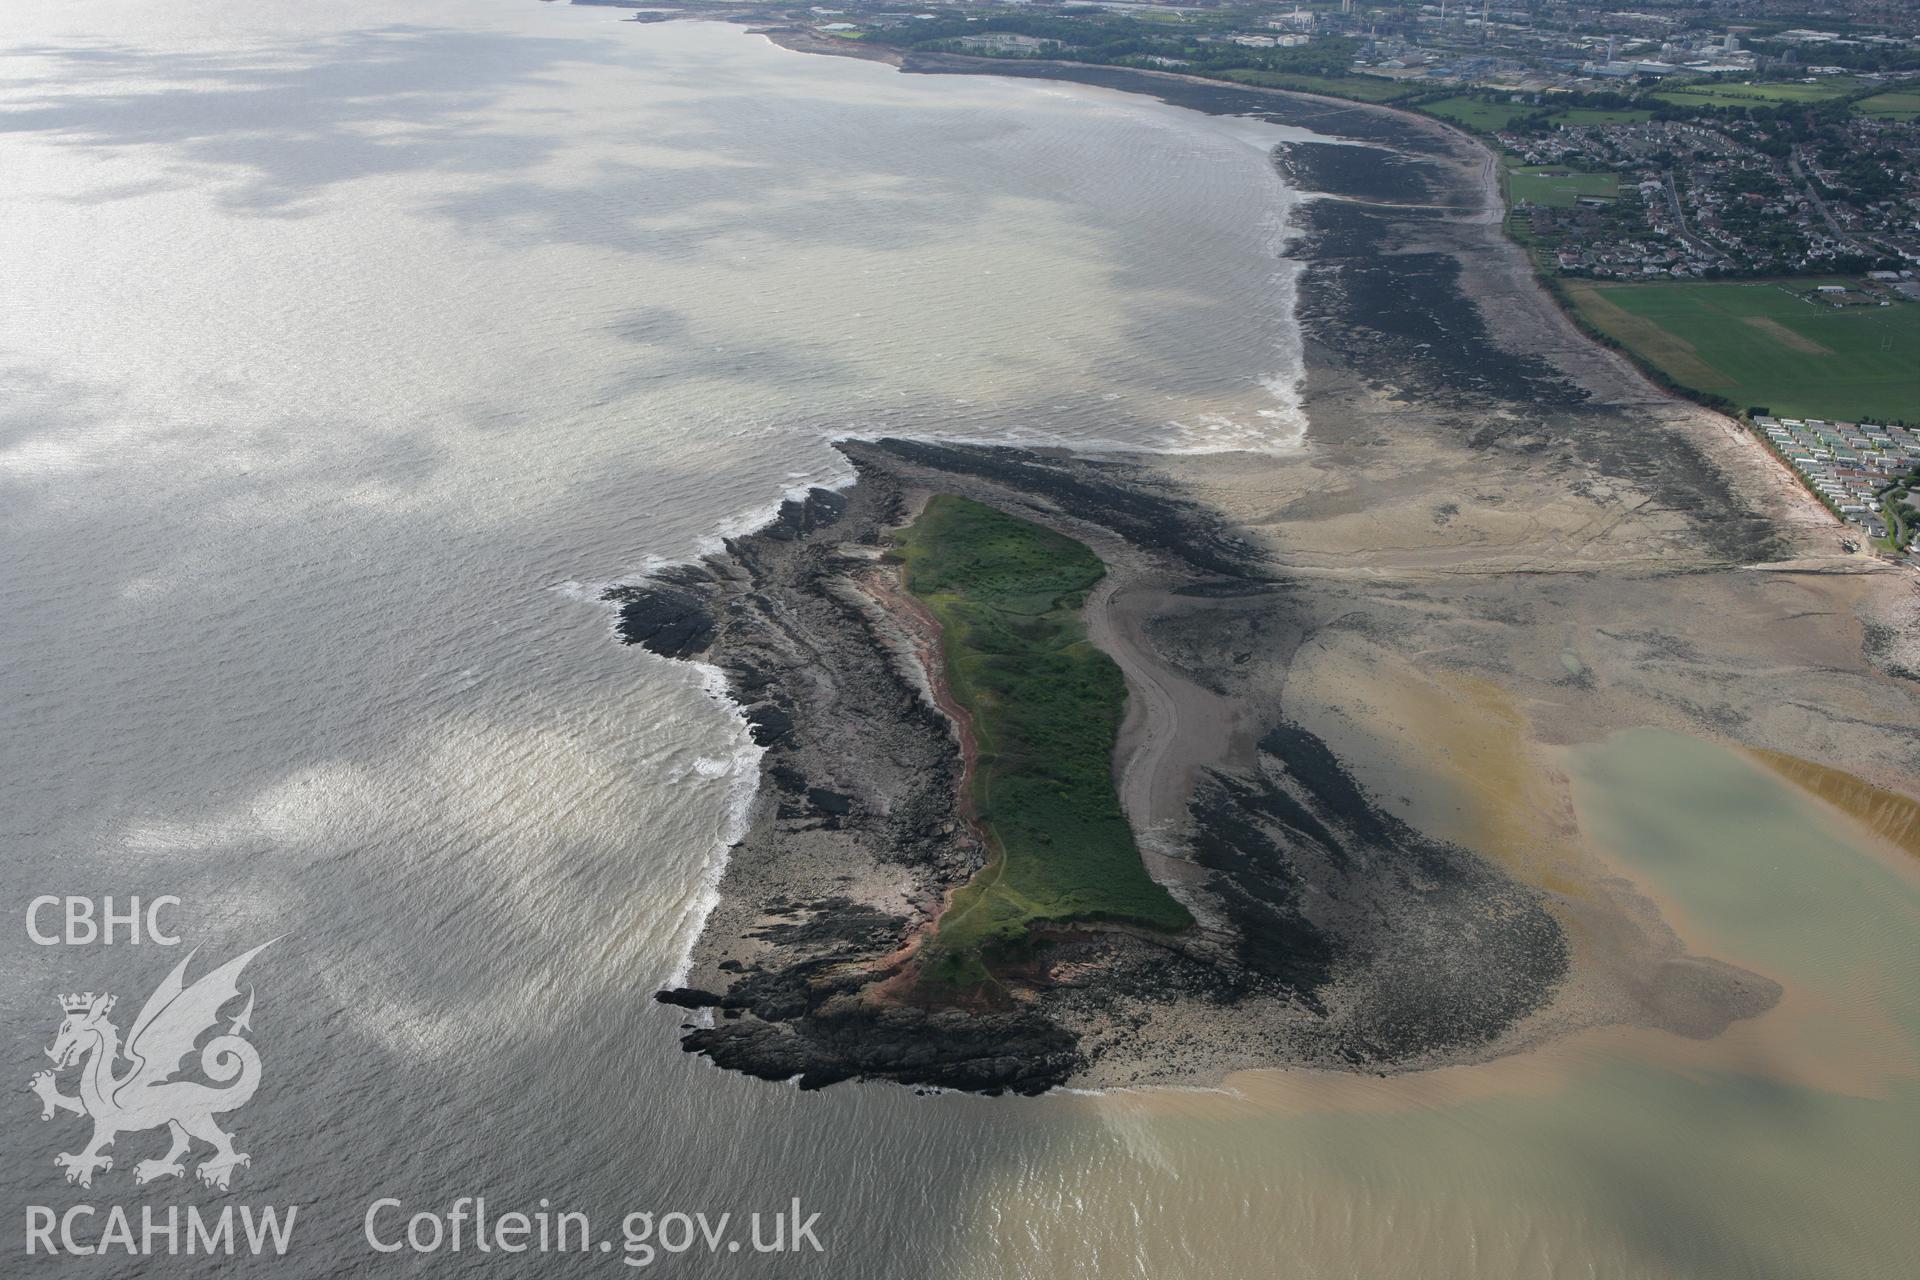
[1350, 668]
[305, 630]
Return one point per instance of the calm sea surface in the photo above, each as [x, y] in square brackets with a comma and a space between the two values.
[347, 349]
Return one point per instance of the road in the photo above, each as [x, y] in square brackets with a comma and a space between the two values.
[1680, 220]
[1813, 194]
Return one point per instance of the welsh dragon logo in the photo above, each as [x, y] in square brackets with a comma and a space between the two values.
[146, 1094]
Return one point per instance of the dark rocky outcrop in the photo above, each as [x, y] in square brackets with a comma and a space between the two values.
[1309, 889]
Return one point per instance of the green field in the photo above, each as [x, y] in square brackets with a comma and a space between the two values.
[1904, 105]
[1475, 114]
[1594, 115]
[1464, 109]
[1764, 95]
[1046, 708]
[1761, 343]
[1363, 88]
[1557, 187]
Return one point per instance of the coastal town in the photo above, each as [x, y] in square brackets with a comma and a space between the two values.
[1686, 147]
[1710, 198]
[1727, 194]
[967, 640]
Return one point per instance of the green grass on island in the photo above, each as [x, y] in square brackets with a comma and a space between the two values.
[1776, 344]
[1046, 708]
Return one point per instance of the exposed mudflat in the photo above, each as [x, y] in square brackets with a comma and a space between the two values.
[1350, 669]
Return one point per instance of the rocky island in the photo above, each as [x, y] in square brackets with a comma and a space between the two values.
[1322, 692]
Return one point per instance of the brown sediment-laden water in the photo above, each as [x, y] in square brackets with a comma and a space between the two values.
[350, 359]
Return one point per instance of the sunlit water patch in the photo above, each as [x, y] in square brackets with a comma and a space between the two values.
[346, 350]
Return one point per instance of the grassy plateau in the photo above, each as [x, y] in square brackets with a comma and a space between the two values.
[1046, 707]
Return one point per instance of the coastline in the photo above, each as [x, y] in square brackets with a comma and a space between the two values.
[1563, 534]
[852, 853]
[1515, 300]
[1748, 461]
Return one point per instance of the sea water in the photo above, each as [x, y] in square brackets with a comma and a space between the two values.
[347, 351]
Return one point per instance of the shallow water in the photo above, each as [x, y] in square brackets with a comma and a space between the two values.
[342, 357]
[1784, 1149]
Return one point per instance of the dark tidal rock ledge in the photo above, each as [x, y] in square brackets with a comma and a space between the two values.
[1331, 934]
[1412, 291]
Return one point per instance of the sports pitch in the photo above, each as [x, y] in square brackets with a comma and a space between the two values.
[1763, 343]
[1557, 187]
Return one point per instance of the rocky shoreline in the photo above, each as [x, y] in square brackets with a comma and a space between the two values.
[1349, 670]
[1332, 933]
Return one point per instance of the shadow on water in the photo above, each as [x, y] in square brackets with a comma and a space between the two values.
[283, 122]
[213, 677]
[242, 670]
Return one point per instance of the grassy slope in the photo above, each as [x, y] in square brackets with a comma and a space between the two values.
[1758, 344]
[1046, 708]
